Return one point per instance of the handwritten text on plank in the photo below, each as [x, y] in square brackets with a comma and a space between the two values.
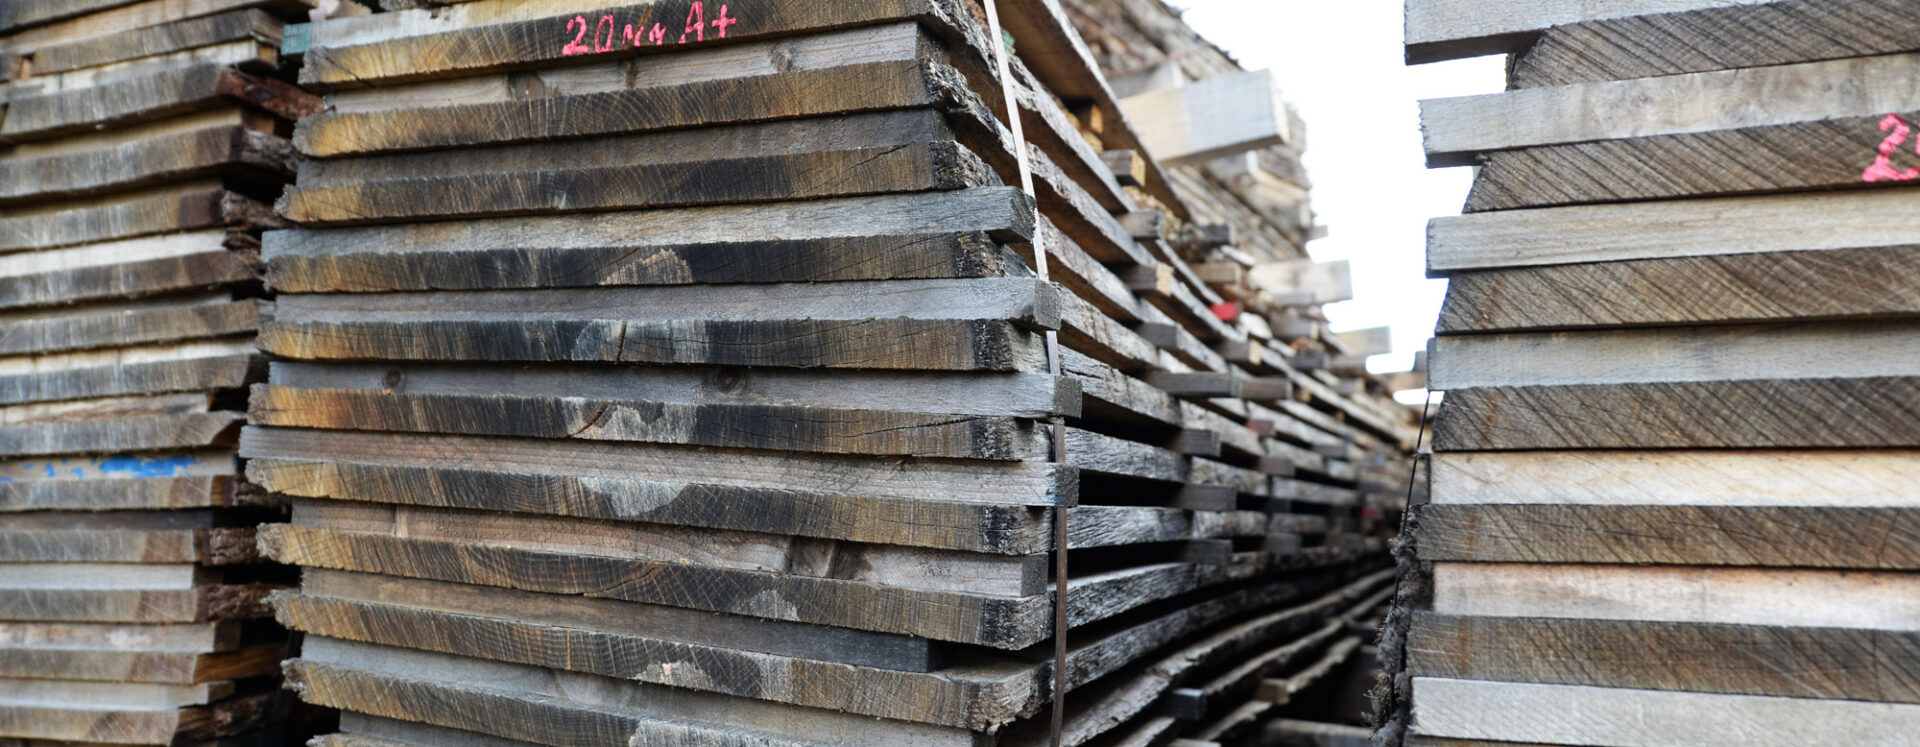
[607, 34]
[1882, 168]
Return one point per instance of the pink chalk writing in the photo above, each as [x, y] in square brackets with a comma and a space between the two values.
[1882, 168]
[609, 34]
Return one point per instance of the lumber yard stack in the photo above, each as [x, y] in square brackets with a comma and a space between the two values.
[678, 372]
[1672, 488]
[142, 144]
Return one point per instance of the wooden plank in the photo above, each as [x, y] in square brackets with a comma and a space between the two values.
[143, 161]
[127, 375]
[1727, 288]
[914, 167]
[132, 327]
[848, 88]
[1827, 154]
[1677, 354]
[624, 481]
[194, 205]
[1856, 600]
[126, 434]
[1777, 33]
[521, 702]
[135, 43]
[113, 495]
[1569, 714]
[687, 630]
[1457, 128]
[1212, 118]
[1819, 663]
[997, 621]
[898, 236]
[124, 269]
[26, 15]
[1832, 479]
[840, 325]
[1448, 29]
[1782, 536]
[456, 42]
[135, 605]
[219, 546]
[788, 428]
[1666, 230]
[1008, 395]
[1726, 414]
[144, 98]
[162, 667]
[179, 403]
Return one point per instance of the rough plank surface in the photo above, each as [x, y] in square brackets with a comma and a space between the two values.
[1825, 663]
[1889, 348]
[1448, 29]
[1871, 412]
[1869, 538]
[1829, 478]
[1727, 288]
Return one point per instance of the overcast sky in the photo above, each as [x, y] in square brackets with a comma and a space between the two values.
[1340, 63]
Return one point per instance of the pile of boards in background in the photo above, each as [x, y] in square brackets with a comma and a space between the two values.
[1673, 489]
[142, 145]
[677, 371]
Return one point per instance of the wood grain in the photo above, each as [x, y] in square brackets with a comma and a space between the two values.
[1812, 350]
[133, 326]
[210, 151]
[1825, 478]
[1854, 413]
[1821, 663]
[1803, 537]
[191, 206]
[1723, 38]
[1448, 29]
[1727, 288]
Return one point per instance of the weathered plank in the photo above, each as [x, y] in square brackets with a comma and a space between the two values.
[35, 721]
[1837, 479]
[31, 23]
[1809, 413]
[932, 324]
[134, 326]
[456, 42]
[161, 667]
[1888, 348]
[521, 702]
[65, 111]
[1723, 38]
[218, 546]
[1822, 663]
[930, 235]
[1447, 29]
[1680, 228]
[120, 435]
[835, 90]
[1457, 128]
[788, 428]
[159, 39]
[131, 374]
[915, 167]
[141, 161]
[213, 602]
[998, 621]
[632, 475]
[1783, 536]
[1858, 600]
[671, 626]
[1570, 714]
[194, 205]
[121, 269]
[116, 495]
[1771, 286]
[1826, 154]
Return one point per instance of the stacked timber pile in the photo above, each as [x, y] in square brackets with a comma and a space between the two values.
[680, 372]
[1673, 494]
[142, 145]
[1231, 148]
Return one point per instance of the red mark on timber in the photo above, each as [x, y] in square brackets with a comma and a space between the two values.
[1226, 311]
[696, 23]
[1882, 168]
[575, 47]
[609, 34]
[606, 24]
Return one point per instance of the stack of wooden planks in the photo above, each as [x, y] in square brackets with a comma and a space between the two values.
[142, 144]
[679, 372]
[1673, 487]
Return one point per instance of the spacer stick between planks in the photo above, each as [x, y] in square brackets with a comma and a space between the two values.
[1002, 59]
